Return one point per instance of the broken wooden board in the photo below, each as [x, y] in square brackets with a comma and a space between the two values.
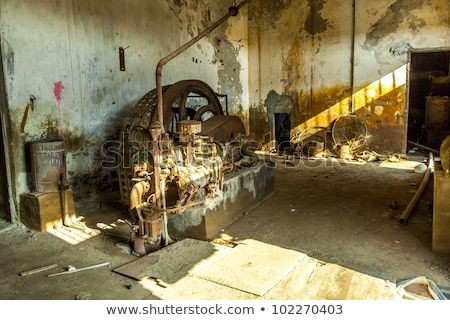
[317, 280]
[252, 266]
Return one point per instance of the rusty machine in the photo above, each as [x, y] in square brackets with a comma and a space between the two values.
[171, 168]
[177, 145]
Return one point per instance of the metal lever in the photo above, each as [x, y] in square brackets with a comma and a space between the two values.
[72, 269]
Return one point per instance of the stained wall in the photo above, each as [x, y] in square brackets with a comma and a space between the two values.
[319, 60]
[62, 77]
[312, 60]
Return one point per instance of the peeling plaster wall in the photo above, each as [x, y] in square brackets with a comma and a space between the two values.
[385, 32]
[65, 54]
[328, 58]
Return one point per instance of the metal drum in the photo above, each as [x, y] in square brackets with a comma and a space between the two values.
[47, 165]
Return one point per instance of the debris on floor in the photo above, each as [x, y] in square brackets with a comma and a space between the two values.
[72, 269]
[127, 248]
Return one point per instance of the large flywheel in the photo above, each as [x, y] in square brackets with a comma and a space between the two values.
[187, 99]
[191, 99]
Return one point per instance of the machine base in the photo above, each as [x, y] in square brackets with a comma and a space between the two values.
[242, 190]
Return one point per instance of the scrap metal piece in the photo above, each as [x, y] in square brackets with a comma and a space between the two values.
[352, 131]
[33, 271]
[72, 269]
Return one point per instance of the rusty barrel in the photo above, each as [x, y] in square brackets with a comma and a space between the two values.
[47, 165]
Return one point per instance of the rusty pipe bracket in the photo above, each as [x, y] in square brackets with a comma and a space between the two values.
[233, 10]
[32, 102]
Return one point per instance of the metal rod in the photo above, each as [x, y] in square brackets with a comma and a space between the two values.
[73, 269]
[166, 236]
[424, 147]
[33, 271]
[352, 58]
[175, 209]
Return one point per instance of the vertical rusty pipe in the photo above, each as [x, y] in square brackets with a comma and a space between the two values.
[352, 58]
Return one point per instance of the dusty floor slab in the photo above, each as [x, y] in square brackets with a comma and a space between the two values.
[195, 269]
[173, 262]
[333, 282]
[252, 266]
[194, 288]
[294, 286]
[339, 214]
[317, 280]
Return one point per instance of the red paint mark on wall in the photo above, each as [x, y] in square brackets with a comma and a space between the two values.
[58, 90]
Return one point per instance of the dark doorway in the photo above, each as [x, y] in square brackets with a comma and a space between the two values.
[283, 133]
[429, 97]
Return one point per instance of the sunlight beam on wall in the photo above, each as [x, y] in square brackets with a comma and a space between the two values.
[362, 99]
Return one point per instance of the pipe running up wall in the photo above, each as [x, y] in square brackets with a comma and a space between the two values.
[232, 11]
[407, 212]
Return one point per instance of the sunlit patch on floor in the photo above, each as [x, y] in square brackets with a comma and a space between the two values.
[401, 164]
[76, 233]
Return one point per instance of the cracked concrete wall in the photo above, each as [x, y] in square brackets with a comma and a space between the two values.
[63, 81]
[328, 58]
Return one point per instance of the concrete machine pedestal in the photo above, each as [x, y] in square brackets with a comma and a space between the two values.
[242, 191]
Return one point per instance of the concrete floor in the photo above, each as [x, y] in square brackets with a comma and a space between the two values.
[333, 221]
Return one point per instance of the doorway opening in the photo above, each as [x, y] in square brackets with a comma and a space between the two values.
[283, 133]
[429, 97]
